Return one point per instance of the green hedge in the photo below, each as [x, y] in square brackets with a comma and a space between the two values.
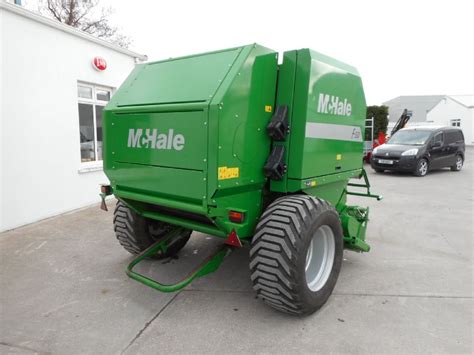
[380, 114]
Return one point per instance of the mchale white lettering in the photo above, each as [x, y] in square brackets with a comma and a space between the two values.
[334, 105]
[152, 140]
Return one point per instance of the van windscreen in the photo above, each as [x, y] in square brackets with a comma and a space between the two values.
[410, 137]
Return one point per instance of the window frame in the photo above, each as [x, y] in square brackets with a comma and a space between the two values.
[94, 102]
[455, 122]
[438, 134]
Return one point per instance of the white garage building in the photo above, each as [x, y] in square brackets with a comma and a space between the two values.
[456, 110]
[444, 110]
[53, 88]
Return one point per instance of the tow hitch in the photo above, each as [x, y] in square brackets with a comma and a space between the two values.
[105, 190]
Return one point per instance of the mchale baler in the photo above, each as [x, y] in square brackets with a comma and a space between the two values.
[231, 144]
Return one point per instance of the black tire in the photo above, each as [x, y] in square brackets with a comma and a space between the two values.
[379, 171]
[279, 251]
[136, 233]
[457, 166]
[422, 167]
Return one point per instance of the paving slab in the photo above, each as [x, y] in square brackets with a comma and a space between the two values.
[235, 322]
[64, 290]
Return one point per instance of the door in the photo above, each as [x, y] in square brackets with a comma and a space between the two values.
[438, 151]
[451, 141]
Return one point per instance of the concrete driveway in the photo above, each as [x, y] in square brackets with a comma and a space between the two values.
[64, 291]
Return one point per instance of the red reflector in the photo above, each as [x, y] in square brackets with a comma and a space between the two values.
[236, 217]
[233, 239]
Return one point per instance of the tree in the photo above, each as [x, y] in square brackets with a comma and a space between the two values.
[87, 16]
[380, 114]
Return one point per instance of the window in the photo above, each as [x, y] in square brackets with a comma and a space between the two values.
[438, 138]
[103, 95]
[91, 101]
[454, 137]
[456, 123]
[410, 137]
[459, 136]
[450, 137]
[84, 92]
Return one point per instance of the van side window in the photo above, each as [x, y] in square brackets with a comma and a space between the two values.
[459, 137]
[438, 137]
[454, 137]
[450, 137]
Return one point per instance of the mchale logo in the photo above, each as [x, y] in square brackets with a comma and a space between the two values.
[151, 139]
[334, 105]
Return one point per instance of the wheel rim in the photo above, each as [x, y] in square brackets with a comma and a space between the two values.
[459, 163]
[320, 258]
[423, 169]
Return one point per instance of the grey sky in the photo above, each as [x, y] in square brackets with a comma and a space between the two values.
[400, 47]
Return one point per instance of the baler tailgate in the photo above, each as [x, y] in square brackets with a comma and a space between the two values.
[154, 152]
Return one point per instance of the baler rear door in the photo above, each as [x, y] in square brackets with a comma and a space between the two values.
[162, 153]
[156, 129]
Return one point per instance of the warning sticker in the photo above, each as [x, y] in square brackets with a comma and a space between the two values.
[228, 173]
[268, 108]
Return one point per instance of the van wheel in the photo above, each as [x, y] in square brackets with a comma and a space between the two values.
[296, 254]
[421, 167]
[136, 233]
[459, 163]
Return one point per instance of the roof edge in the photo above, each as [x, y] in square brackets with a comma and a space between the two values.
[68, 29]
[459, 102]
[436, 104]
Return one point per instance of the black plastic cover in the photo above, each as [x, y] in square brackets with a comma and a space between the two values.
[275, 166]
[278, 127]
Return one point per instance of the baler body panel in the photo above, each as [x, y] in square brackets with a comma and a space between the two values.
[188, 79]
[242, 111]
[188, 134]
[156, 181]
[327, 117]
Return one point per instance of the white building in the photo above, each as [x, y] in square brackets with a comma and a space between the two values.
[455, 111]
[445, 110]
[51, 98]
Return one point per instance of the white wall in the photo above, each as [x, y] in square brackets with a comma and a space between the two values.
[1, 117]
[39, 131]
[447, 110]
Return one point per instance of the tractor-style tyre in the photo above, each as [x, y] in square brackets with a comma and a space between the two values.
[136, 233]
[296, 254]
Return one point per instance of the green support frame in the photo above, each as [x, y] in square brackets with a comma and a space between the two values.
[209, 265]
[366, 185]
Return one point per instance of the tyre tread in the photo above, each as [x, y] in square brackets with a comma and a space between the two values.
[132, 232]
[274, 250]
